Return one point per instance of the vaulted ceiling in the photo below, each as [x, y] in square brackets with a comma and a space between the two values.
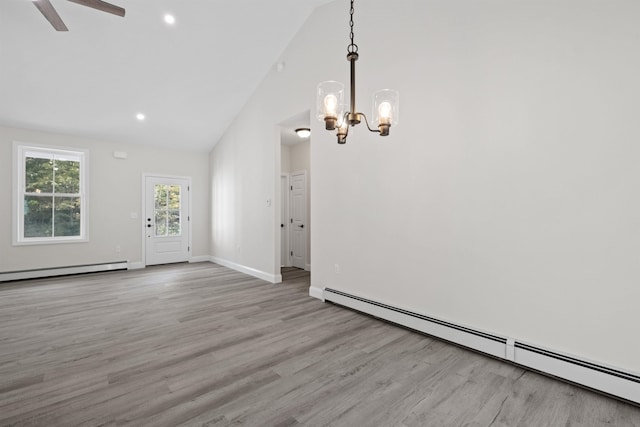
[189, 79]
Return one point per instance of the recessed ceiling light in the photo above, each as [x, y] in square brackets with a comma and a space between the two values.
[169, 19]
[140, 116]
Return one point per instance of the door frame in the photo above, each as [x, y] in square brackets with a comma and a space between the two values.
[285, 243]
[143, 211]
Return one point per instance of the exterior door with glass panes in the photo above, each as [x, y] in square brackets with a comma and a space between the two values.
[166, 220]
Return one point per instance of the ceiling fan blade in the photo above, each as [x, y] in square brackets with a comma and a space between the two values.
[46, 8]
[101, 5]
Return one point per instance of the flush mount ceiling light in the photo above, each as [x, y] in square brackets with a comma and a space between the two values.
[303, 132]
[140, 117]
[169, 19]
[331, 108]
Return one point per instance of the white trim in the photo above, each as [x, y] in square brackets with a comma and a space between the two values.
[285, 198]
[316, 292]
[141, 221]
[307, 267]
[135, 265]
[61, 271]
[595, 375]
[273, 278]
[200, 258]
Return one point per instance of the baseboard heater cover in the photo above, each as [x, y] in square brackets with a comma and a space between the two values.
[62, 271]
[593, 375]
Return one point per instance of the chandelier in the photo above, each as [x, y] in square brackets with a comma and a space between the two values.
[331, 108]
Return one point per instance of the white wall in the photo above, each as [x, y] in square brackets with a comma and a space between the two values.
[300, 157]
[115, 192]
[246, 167]
[507, 197]
[285, 158]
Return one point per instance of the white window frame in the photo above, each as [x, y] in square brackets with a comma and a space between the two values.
[19, 153]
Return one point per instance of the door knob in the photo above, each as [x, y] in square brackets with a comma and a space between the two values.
[281, 225]
[149, 225]
[301, 225]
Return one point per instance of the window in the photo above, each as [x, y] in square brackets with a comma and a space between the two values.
[167, 210]
[51, 201]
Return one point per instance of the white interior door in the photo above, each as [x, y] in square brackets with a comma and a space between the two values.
[166, 220]
[285, 259]
[298, 217]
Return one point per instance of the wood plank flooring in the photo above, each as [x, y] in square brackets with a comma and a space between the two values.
[202, 345]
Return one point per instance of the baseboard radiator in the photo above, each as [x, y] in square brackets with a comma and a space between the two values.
[615, 382]
[62, 271]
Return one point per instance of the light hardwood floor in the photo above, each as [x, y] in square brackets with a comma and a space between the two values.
[201, 345]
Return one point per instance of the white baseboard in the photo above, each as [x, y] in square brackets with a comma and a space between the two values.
[316, 292]
[273, 278]
[135, 265]
[62, 271]
[307, 267]
[200, 258]
[611, 380]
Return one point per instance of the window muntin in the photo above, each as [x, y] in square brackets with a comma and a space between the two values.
[51, 199]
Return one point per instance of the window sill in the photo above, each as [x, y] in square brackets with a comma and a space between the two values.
[48, 241]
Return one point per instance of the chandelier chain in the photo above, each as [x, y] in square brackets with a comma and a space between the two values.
[352, 48]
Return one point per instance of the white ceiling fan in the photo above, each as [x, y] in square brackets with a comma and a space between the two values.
[49, 12]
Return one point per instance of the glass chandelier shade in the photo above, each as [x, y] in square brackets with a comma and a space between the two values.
[330, 104]
[386, 109]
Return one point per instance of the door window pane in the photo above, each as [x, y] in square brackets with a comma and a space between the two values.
[161, 223]
[174, 223]
[174, 197]
[160, 196]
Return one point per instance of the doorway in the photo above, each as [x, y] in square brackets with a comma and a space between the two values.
[295, 175]
[166, 219]
[294, 220]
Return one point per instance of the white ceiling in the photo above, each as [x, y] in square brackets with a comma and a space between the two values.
[190, 80]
